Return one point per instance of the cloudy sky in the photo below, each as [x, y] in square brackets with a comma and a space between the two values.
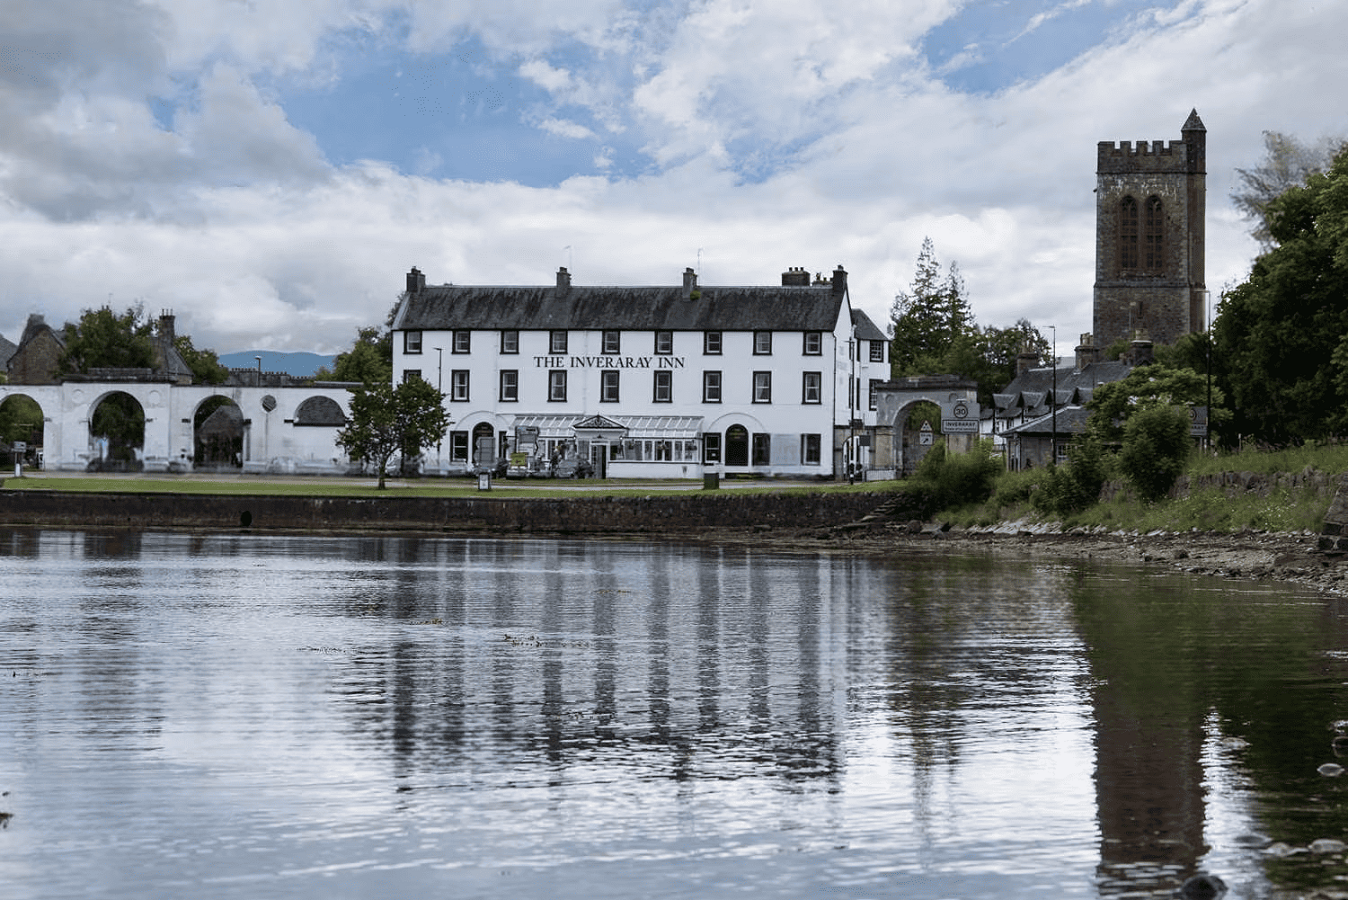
[270, 169]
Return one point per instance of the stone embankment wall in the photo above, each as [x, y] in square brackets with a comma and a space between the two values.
[1236, 484]
[654, 514]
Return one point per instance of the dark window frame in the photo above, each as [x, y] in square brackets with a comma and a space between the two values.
[556, 379]
[612, 342]
[712, 343]
[762, 343]
[412, 342]
[763, 379]
[668, 338]
[457, 378]
[510, 342]
[662, 378]
[558, 342]
[805, 378]
[609, 382]
[512, 394]
[713, 382]
[461, 341]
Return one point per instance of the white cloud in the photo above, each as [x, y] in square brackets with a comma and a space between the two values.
[231, 217]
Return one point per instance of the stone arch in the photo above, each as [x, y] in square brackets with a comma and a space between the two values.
[320, 411]
[217, 434]
[899, 444]
[22, 421]
[116, 432]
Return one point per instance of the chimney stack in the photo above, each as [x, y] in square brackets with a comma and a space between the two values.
[840, 280]
[563, 279]
[690, 284]
[796, 276]
[416, 280]
[1087, 352]
[1026, 360]
[166, 327]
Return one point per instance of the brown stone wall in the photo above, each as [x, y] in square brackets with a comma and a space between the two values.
[662, 514]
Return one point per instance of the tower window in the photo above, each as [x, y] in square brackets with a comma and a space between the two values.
[1153, 236]
[1128, 234]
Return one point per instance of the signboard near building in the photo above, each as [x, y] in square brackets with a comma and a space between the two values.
[959, 417]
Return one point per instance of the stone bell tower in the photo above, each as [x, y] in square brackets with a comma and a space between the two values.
[1150, 204]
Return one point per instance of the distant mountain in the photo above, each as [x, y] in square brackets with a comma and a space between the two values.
[299, 364]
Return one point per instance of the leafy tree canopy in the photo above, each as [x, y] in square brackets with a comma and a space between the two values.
[1113, 404]
[370, 358]
[1287, 163]
[103, 339]
[926, 321]
[205, 365]
[386, 420]
[933, 332]
[1281, 337]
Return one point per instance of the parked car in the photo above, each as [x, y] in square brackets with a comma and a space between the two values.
[573, 467]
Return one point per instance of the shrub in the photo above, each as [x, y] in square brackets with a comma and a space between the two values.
[1071, 488]
[958, 479]
[1156, 445]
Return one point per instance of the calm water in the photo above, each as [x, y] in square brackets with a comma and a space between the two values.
[257, 716]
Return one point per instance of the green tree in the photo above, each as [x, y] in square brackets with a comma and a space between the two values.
[1281, 337]
[926, 321]
[369, 360]
[386, 420]
[1156, 444]
[1112, 405]
[20, 420]
[1287, 163]
[205, 365]
[103, 339]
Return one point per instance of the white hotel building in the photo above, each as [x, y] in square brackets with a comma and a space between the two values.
[649, 382]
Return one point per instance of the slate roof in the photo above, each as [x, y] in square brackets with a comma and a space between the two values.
[588, 308]
[7, 349]
[1070, 420]
[1034, 387]
[865, 328]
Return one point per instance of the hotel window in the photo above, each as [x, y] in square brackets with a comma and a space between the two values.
[872, 400]
[877, 351]
[711, 343]
[557, 342]
[411, 341]
[762, 343]
[813, 388]
[814, 343]
[411, 375]
[762, 387]
[458, 446]
[608, 386]
[557, 385]
[809, 449]
[458, 384]
[612, 342]
[664, 386]
[711, 387]
[1153, 236]
[711, 447]
[664, 343]
[510, 342]
[762, 449]
[463, 342]
[510, 386]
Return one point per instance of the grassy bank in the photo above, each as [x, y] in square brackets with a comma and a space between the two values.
[1278, 506]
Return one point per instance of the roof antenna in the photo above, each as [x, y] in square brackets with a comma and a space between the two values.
[699, 259]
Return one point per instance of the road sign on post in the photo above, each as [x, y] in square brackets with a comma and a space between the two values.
[959, 417]
[924, 435]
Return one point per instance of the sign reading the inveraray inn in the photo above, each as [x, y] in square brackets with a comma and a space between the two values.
[959, 417]
[608, 362]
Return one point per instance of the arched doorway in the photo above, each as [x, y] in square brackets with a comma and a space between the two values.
[484, 447]
[117, 434]
[737, 446]
[217, 430]
[21, 427]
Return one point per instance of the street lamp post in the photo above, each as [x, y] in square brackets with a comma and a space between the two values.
[1053, 399]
